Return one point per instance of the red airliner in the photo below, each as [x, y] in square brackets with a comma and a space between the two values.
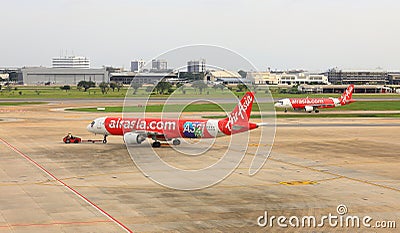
[313, 104]
[136, 130]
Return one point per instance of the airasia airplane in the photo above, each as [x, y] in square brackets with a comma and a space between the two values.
[313, 104]
[136, 130]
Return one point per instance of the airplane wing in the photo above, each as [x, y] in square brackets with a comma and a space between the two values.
[323, 105]
[138, 136]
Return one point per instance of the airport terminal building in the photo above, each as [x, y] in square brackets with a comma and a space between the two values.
[61, 76]
[363, 77]
[142, 78]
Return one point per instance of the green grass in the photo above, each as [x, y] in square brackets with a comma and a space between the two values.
[319, 115]
[159, 108]
[54, 92]
[19, 103]
[357, 106]
[45, 92]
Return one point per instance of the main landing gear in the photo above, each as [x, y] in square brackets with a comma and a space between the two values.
[105, 139]
[156, 144]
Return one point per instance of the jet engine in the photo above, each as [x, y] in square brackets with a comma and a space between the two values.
[308, 108]
[134, 138]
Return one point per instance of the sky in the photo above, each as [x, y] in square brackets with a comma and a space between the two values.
[280, 34]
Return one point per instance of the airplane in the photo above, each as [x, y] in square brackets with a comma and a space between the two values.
[136, 130]
[313, 104]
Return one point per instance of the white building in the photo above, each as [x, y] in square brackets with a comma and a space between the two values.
[71, 62]
[302, 78]
[159, 65]
[137, 65]
[290, 78]
[197, 66]
[262, 78]
[214, 76]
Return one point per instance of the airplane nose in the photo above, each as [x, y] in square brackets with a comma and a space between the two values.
[276, 105]
[89, 128]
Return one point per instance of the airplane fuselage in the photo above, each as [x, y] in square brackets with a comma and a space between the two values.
[313, 104]
[136, 130]
[170, 128]
[301, 103]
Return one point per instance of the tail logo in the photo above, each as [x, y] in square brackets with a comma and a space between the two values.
[240, 112]
[347, 94]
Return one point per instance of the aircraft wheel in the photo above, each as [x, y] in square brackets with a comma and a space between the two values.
[104, 141]
[176, 142]
[285, 110]
[316, 111]
[67, 141]
[156, 144]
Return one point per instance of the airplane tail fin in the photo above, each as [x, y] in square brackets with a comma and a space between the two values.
[238, 119]
[346, 97]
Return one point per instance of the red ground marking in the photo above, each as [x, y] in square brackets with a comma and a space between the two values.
[51, 224]
[66, 185]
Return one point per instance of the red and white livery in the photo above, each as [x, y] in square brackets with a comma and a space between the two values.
[136, 130]
[313, 104]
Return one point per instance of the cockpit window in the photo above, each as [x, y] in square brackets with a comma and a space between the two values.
[280, 102]
[91, 124]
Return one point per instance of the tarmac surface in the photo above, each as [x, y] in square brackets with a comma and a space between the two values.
[315, 165]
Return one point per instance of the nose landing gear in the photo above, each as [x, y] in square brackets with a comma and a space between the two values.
[176, 142]
[105, 139]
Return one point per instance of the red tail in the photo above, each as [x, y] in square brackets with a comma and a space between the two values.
[238, 119]
[347, 95]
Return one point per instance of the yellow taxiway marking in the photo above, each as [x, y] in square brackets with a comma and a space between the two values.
[338, 175]
[298, 182]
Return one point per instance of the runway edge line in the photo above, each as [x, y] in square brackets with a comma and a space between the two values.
[120, 224]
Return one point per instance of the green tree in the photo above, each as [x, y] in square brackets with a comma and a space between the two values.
[241, 87]
[215, 87]
[221, 86]
[149, 88]
[86, 85]
[199, 85]
[113, 85]
[119, 86]
[162, 87]
[66, 88]
[181, 86]
[135, 87]
[104, 87]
